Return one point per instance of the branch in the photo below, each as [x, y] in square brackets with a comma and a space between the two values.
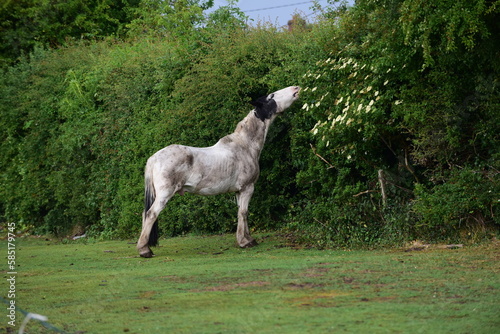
[408, 167]
[319, 156]
[381, 179]
[365, 192]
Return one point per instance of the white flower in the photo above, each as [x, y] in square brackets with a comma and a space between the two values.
[315, 129]
[312, 90]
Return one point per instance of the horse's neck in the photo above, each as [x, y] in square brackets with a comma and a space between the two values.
[252, 131]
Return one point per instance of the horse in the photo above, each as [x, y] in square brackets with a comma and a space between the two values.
[231, 165]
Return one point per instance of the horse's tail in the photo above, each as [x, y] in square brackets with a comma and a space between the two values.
[149, 198]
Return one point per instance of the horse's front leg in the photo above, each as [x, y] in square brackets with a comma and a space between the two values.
[242, 233]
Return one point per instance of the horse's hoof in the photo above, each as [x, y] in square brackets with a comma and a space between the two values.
[251, 243]
[147, 254]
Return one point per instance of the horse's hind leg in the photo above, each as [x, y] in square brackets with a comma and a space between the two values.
[148, 220]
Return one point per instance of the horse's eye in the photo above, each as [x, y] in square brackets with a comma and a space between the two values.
[270, 97]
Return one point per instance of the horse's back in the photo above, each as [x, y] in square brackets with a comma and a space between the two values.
[202, 170]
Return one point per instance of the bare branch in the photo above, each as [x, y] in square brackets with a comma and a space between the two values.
[319, 156]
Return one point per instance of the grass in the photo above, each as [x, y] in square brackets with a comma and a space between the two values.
[207, 285]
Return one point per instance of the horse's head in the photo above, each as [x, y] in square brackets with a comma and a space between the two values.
[275, 103]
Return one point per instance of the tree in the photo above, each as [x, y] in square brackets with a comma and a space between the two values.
[410, 88]
[50, 23]
[172, 18]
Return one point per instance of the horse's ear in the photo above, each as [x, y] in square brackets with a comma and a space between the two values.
[259, 102]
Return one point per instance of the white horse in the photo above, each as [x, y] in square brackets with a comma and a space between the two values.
[231, 165]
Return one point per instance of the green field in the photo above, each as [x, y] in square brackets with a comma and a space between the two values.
[201, 284]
